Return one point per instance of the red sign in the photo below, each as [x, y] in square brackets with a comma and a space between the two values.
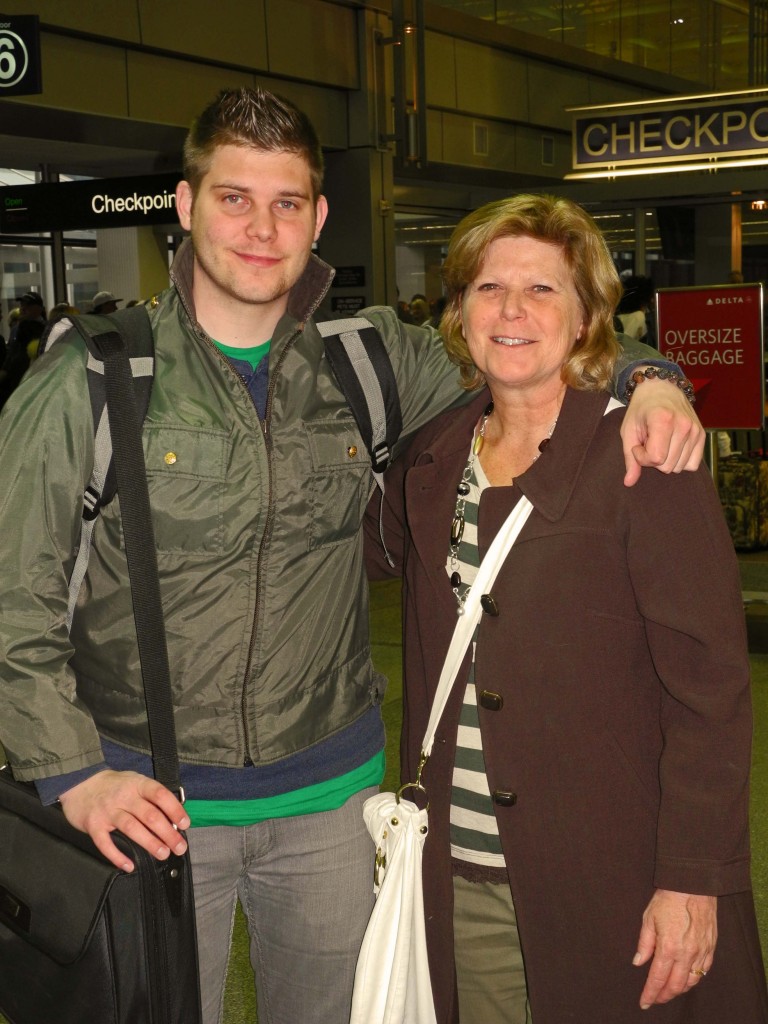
[715, 335]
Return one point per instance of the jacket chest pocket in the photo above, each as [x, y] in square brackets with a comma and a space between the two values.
[339, 481]
[186, 473]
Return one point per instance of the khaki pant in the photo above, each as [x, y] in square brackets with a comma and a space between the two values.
[489, 963]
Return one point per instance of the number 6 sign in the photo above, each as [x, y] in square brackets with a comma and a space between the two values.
[14, 59]
[19, 55]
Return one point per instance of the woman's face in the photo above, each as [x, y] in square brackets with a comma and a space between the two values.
[521, 315]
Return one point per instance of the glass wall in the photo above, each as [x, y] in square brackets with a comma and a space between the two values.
[26, 261]
[703, 41]
[421, 242]
[656, 241]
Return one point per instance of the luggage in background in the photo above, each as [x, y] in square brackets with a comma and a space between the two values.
[743, 488]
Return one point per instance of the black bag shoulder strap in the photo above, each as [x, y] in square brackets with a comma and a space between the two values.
[362, 367]
[125, 421]
[120, 369]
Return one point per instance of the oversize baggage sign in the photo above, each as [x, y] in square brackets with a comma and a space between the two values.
[715, 335]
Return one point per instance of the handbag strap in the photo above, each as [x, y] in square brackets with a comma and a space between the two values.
[141, 555]
[466, 623]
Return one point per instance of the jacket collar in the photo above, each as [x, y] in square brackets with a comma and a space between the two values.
[306, 295]
[550, 481]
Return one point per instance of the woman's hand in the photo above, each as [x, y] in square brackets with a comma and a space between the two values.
[679, 931]
[660, 429]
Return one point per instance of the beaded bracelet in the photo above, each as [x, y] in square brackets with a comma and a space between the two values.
[657, 371]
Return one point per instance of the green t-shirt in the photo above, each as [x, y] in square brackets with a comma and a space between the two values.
[253, 354]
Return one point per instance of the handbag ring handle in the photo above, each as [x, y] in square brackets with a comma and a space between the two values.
[411, 785]
[423, 758]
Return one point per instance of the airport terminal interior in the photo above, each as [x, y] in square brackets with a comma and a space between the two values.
[653, 114]
[425, 110]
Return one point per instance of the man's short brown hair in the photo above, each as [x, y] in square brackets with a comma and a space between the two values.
[251, 118]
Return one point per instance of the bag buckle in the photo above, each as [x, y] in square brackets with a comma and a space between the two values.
[423, 758]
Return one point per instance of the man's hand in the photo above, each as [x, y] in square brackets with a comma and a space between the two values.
[139, 807]
[680, 932]
[660, 429]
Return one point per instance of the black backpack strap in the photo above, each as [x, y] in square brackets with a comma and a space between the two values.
[134, 327]
[360, 362]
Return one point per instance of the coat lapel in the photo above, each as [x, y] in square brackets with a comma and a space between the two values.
[430, 489]
[430, 485]
[548, 484]
[550, 481]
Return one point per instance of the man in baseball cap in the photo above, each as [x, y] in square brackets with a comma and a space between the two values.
[105, 302]
[31, 306]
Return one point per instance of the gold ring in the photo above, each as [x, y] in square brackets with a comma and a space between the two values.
[698, 972]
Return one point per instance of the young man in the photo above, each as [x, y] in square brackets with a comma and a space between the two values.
[258, 482]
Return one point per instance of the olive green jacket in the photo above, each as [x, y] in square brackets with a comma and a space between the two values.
[258, 533]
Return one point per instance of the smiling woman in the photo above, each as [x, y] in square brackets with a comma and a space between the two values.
[528, 291]
[589, 793]
[521, 315]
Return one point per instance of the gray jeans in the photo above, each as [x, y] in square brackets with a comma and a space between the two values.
[306, 888]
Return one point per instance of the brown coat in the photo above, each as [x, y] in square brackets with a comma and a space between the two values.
[620, 654]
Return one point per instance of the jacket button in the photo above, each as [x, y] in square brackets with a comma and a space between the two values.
[491, 701]
[504, 799]
[488, 605]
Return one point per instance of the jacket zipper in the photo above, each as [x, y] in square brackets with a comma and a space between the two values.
[265, 535]
[248, 759]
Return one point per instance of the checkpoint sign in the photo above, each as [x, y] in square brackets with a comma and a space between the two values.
[715, 335]
[20, 72]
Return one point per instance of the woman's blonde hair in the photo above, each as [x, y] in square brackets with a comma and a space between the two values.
[561, 222]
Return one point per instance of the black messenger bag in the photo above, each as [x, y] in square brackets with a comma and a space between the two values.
[82, 942]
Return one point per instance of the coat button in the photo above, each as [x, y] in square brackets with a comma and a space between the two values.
[491, 701]
[488, 605]
[504, 799]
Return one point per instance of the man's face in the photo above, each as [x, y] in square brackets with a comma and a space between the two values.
[253, 221]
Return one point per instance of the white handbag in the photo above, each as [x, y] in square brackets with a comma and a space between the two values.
[392, 983]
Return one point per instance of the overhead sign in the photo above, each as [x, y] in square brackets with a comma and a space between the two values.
[95, 203]
[710, 130]
[715, 335]
[20, 72]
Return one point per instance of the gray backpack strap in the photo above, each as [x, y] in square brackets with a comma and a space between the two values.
[361, 365]
[97, 493]
[101, 459]
[134, 327]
